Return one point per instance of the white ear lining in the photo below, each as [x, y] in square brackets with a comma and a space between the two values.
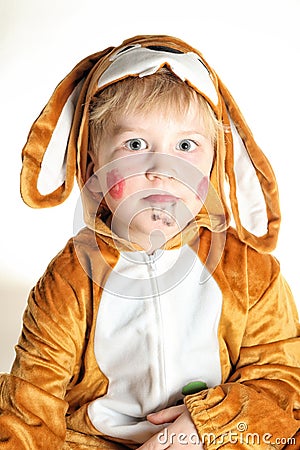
[251, 202]
[53, 168]
[143, 61]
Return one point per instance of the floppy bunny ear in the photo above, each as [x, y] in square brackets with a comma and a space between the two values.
[49, 155]
[253, 188]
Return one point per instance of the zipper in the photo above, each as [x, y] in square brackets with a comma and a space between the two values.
[152, 268]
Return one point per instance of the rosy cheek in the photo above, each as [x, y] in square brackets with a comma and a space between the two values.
[202, 189]
[115, 184]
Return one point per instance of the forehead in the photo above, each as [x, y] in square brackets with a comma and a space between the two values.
[162, 97]
[158, 117]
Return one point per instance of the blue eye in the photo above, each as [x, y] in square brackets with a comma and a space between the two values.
[136, 144]
[186, 145]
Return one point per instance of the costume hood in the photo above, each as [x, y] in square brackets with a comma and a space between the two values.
[242, 181]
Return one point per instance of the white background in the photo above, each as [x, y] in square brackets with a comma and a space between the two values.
[254, 46]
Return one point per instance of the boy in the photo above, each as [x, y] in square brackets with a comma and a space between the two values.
[155, 326]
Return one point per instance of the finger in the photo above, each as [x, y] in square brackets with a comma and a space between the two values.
[166, 415]
[179, 435]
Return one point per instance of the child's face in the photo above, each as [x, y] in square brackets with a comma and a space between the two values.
[145, 164]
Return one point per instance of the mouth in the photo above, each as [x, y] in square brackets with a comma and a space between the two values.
[161, 199]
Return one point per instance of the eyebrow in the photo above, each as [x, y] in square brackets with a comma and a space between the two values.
[191, 132]
[120, 129]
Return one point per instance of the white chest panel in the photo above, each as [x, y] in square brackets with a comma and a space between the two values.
[156, 331]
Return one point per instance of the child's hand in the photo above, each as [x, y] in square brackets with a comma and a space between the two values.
[179, 434]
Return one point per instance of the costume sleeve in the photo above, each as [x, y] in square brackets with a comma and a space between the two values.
[32, 397]
[48, 358]
[258, 405]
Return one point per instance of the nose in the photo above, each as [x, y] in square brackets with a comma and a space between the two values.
[153, 176]
[162, 166]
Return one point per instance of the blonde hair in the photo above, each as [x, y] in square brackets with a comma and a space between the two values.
[162, 90]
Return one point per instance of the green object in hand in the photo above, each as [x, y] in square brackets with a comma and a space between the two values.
[193, 387]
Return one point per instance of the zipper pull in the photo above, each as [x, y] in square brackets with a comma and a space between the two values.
[151, 262]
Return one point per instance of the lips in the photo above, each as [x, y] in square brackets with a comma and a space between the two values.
[161, 198]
